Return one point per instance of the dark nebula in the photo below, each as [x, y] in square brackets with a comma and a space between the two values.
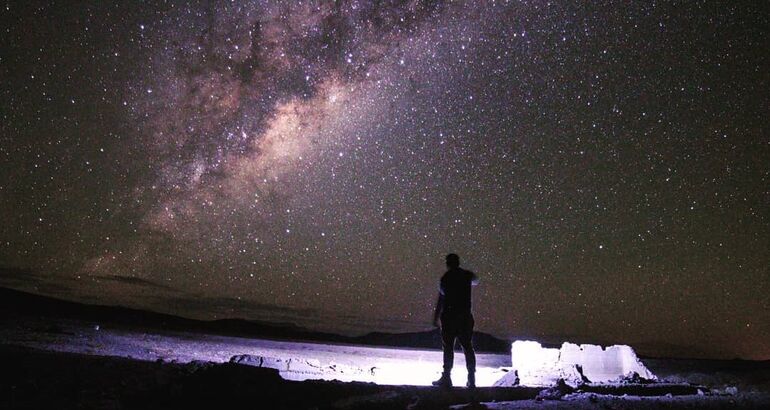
[603, 167]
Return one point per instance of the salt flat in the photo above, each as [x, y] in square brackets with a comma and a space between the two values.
[322, 361]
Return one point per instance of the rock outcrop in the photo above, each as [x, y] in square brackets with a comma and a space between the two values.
[535, 365]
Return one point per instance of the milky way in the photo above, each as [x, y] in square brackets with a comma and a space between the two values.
[602, 167]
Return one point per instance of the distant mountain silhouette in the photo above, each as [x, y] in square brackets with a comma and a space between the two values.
[482, 342]
[14, 303]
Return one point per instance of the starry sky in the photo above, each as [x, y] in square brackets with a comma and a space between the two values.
[603, 167]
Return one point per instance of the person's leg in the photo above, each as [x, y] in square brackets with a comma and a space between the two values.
[448, 336]
[466, 341]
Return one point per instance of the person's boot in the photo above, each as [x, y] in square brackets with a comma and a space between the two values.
[444, 381]
[471, 381]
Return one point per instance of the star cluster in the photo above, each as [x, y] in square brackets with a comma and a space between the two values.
[602, 167]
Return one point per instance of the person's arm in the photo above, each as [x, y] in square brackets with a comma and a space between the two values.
[439, 308]
[474, 279]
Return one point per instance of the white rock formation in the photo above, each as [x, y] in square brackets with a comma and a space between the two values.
[604, 365]
[538, 366]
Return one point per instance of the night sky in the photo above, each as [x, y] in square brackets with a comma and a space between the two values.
[604, 167]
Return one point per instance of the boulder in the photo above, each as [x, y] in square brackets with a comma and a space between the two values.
[573, 364]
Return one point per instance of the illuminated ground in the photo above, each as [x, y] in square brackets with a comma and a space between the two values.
[68, 363]
[387, 366]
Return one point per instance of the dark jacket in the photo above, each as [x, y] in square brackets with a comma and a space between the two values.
[455, 291]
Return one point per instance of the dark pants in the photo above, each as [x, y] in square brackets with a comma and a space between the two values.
[460, 327]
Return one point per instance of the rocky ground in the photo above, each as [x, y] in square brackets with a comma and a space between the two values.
[65, 363]
[36, 379]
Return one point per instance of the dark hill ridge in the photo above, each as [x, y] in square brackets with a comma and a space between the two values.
[15, 303]
[482, 342]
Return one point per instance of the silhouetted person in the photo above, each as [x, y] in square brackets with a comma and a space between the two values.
[454, 310]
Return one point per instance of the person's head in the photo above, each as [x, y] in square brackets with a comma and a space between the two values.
[452, 261]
